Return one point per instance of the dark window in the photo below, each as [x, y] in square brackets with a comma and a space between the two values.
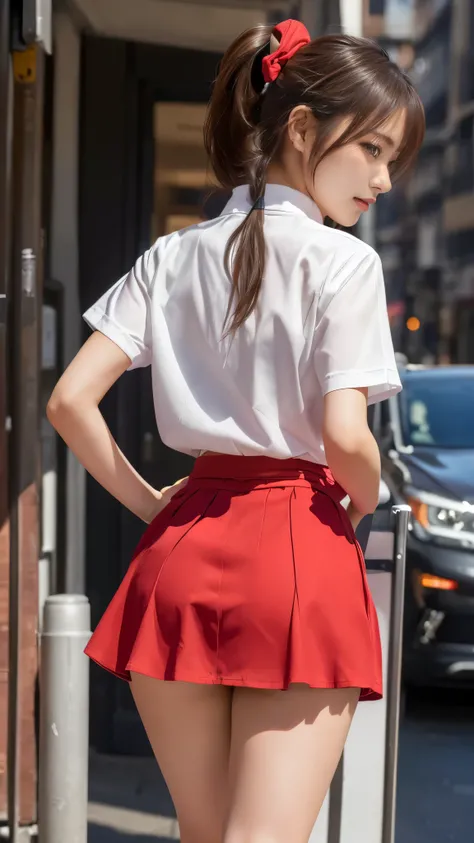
[471, 24]
[466, 84]
[437, 410]
[461, 178]
[376, 7]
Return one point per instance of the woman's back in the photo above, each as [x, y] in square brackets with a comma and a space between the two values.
[321, 316]
[245, 622]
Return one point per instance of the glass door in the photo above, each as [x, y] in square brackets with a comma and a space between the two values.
[184, 190]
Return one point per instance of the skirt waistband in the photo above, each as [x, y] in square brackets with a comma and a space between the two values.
[255, 472]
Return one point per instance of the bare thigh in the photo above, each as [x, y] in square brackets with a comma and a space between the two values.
[285, 748]
[188, 727]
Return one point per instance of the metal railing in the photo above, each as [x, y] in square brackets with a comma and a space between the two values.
[360, 806]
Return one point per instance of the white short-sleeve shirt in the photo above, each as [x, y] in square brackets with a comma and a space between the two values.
[321, 324]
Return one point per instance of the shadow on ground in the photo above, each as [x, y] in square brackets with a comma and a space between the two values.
[130, 783]
[96, 834]
[129, 801]
[435, 799]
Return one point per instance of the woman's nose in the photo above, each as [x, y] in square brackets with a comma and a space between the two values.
[382, 182]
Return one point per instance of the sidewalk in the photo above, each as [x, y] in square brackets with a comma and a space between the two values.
[129, 802]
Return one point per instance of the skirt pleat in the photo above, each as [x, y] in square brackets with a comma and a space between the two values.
[251, 576]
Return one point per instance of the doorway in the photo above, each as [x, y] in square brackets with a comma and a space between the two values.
[143, 174]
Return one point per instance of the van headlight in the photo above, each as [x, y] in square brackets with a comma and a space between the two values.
[443, 518]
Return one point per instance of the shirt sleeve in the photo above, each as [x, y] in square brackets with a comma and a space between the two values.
[353, 343]
[123, 313]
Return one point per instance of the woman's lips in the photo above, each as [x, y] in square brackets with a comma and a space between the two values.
[363, 204]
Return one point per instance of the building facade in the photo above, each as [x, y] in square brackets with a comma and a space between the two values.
[424, 228]
[23, 70]
[458, 199]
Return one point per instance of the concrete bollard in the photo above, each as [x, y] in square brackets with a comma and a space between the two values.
[64, 720]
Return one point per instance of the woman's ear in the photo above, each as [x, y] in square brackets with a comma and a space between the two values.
[301, 122]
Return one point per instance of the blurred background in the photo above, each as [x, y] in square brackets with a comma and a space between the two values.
[101, 111]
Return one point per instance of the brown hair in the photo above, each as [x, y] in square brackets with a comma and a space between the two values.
[336, 76]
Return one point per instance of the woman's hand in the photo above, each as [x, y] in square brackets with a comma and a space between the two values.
[164, 496]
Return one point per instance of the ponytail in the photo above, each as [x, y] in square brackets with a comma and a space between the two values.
[236, 146]
[335, 76]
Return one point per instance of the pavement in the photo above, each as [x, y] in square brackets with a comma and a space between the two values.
[435, 797]
[129, 801]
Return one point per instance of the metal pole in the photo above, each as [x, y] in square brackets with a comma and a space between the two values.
[64, 720]
[24, 443]
[7, 512]
[402, 515]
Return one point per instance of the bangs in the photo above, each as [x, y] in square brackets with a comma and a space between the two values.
[380, 103]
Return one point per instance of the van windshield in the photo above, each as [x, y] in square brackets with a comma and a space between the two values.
[437, 409]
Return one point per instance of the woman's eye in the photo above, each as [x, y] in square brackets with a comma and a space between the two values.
[372, 149]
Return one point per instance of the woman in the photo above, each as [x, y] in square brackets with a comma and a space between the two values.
[244, 623]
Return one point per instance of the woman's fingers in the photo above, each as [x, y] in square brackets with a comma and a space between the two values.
[175, 487]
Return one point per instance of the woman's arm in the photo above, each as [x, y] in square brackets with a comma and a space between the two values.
[351, 450]
[73, 410]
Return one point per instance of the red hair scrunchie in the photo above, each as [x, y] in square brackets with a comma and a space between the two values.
[294, 35]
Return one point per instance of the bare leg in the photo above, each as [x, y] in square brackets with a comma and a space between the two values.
[284, 752]
[188, 726]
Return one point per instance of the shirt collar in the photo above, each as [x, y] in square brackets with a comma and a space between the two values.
[278, 198]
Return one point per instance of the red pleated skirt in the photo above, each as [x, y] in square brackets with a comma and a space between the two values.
[251, 576]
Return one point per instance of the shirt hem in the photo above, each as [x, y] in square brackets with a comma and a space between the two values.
[382, 383]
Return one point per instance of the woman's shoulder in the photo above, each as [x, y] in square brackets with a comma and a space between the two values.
[340, 242]
[187, 233]
[333, 253]
[345, 261]
[187, 237]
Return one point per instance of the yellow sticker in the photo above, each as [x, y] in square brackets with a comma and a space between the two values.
[24, 65]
